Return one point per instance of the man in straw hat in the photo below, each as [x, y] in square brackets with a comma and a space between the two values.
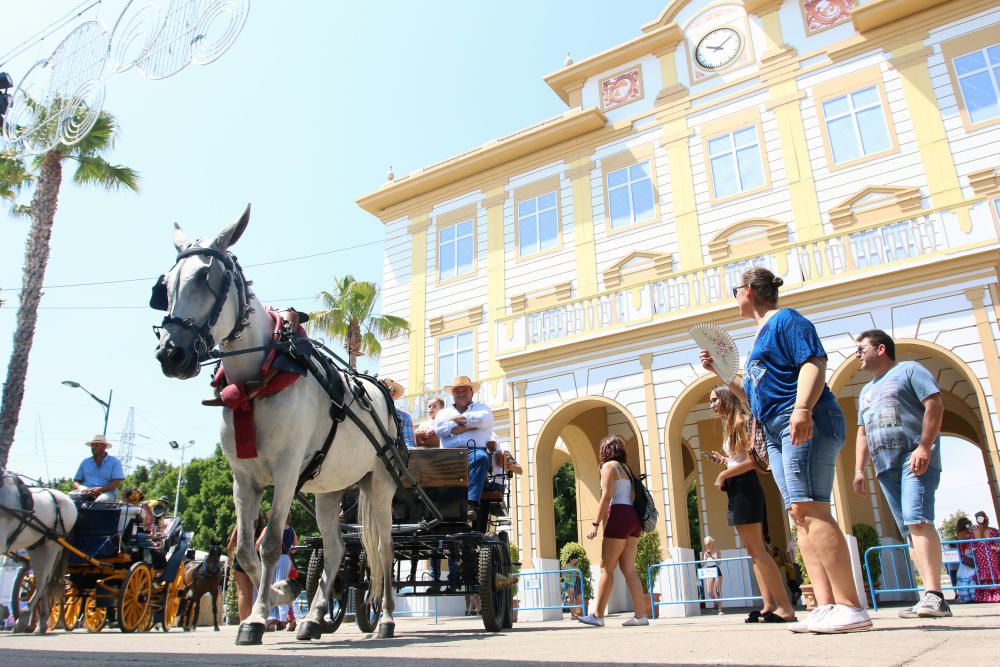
[99, 475]
[466, 424]
[397, 391]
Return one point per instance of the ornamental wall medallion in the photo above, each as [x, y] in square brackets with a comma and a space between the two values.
[620, 89]
[822, 14]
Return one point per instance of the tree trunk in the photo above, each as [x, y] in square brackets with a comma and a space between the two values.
[353, 343]
[36, 258]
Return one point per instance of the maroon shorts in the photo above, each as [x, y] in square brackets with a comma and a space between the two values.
[623, 521]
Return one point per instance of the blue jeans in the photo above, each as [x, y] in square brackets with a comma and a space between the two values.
[479, 468]
[804, 472]
[910, 497]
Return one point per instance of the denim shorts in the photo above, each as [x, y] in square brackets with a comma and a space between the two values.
[910, 497]
[804, 473]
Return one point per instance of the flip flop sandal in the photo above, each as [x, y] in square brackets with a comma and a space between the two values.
[753, 617]
[771, 617]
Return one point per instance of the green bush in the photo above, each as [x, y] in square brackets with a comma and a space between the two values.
[867, 538]
[647, 553]
[515, 560]
[576, 549]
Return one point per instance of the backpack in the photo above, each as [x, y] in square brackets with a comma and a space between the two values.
[644, 504]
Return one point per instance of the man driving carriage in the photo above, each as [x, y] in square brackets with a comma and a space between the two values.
[467, 425]
[99, 475]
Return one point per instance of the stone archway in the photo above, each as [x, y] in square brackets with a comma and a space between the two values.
[965, 407]
[579, 424]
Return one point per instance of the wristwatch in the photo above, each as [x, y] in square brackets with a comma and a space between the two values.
[595, 524]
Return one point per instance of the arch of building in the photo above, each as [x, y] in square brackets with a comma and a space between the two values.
[579, 425]
[966, 416]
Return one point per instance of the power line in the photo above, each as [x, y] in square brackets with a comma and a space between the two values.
[249, 266]
[300, 298]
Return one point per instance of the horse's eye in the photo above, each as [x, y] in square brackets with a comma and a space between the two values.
[202, 274]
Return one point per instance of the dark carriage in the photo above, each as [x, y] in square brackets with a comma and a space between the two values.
[481, 559]
[125, 565]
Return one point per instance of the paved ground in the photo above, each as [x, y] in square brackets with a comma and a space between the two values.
[970, 639]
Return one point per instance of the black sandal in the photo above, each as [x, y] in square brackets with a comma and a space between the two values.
[753, 617]
[771, 617]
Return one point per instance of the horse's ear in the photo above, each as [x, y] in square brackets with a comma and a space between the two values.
[180, 239]
[231, 234]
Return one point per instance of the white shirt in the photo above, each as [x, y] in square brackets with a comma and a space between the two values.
[478, 418]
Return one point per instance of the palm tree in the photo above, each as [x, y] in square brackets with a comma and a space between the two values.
[347, 311]
[91, 168]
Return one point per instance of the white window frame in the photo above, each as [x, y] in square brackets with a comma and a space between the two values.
[732, 152]
[452, 246]
[852, 112]
[456, 338]
[989, 69]
[521, 220]
[628, 187]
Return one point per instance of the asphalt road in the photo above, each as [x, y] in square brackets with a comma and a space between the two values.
[969, 639]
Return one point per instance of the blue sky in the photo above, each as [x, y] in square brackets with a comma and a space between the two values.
[302, 116]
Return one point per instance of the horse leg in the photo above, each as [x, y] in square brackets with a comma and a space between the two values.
[327, 520]
[44, 561]
[378, 511]
[247, 495]
[215, 607]
[270, 549]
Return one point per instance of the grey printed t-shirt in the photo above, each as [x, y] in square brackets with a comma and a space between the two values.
[891, 409]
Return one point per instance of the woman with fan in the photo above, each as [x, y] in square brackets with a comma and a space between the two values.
[784, 384]
[746, 504]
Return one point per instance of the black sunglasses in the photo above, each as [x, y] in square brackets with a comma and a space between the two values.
[737, 289]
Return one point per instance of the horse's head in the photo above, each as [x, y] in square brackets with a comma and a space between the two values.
[205, 297]
[214, 552]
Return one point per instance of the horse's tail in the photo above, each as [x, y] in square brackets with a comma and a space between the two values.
[370, 542]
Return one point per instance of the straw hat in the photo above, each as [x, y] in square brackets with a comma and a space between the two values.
[396, 390]
[462, 381]
[98, 439]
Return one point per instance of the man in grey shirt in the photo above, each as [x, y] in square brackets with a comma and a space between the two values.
[899, 425]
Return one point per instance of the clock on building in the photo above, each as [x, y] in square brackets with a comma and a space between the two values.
[718, 48]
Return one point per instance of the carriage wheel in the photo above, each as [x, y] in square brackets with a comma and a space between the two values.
[172, 599]
[94, 617]
[55, 615]
[72, 609]
[21, 592]
[367, 611]
[134, 611]
[492, 598]
[313, 574]
[337, 604]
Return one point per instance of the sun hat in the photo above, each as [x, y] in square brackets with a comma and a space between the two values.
[98, 439]
[396, 390]
[462, 381]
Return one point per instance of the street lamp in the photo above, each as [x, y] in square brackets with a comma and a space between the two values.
[175, 445]
[106, 405]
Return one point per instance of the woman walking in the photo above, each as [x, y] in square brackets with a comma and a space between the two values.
[746, 505]
[784, 384]
[621, 533]
[710, 561]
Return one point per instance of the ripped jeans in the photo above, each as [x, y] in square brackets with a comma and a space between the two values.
[804, 473]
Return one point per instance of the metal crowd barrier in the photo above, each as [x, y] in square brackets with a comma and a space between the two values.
[907, 573]
[692, 573]
[533, 581]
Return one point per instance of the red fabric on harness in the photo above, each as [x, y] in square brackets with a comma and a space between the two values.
[237, 399]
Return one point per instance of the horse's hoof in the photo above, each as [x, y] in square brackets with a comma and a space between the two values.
[386, 630]
[250, 634]
[216, 628]
[309, 630]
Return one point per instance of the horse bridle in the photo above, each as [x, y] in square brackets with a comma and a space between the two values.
[233, 274]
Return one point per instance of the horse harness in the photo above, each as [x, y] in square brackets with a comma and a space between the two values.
[26, 518]
[232, 274]
[340, 382]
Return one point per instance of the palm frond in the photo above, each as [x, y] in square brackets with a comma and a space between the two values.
[93, 169]
[387, 326]
[370, 347]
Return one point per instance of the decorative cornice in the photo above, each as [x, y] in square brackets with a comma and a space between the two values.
[571, 124]
[884, 12]
[573, 76]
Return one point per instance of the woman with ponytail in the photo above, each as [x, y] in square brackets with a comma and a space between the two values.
[784, 382]
[746, 505]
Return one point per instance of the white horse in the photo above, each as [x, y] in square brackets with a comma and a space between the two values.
[53, 510]
[208, 300]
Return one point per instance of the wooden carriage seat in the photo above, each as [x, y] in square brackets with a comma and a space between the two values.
[439, 468]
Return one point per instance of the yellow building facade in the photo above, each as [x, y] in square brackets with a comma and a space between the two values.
[849, 146]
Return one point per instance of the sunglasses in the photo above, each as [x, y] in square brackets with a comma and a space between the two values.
[737, 289]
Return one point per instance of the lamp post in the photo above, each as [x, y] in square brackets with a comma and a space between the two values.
[175, 445]
[104, 404]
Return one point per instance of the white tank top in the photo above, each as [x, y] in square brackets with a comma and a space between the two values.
[733, 459]
[621, 492]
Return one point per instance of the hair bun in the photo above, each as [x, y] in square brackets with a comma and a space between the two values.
[777, 281]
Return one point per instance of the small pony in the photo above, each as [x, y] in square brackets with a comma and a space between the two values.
[30, 519]
[200, 577]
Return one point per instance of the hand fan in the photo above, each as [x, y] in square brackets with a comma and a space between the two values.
[721, 346]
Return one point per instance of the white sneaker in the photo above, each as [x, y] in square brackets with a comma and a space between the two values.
[635, 621]
[590, 619]
[930, 606]
[842, 619]
[815, 616]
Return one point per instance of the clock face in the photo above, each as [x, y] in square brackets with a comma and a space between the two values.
[718, 48]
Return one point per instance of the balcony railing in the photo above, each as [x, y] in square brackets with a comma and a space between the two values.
[845, 255]
[492, 392]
